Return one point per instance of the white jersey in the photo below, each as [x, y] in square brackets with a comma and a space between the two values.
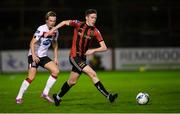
[43, 43]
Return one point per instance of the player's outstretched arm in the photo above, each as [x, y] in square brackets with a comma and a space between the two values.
[61, 24]
[66, 22]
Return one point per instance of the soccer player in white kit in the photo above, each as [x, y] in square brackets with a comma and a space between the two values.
[38, 57]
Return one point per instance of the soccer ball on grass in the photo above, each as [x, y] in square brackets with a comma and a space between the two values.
[142, 98]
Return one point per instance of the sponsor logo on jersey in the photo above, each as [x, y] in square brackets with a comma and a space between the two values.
[47, 42]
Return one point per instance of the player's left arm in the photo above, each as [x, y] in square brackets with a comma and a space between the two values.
[102, 48]
[102, 44]
[55, 47]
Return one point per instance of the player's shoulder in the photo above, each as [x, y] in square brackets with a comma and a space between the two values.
[96, 29]
[42, 27]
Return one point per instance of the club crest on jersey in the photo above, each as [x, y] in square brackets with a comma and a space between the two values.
[37, 32]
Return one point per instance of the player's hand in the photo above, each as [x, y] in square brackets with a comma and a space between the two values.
[53, 31]
[50, 33]
[35, 59]
[90, 52]
[56, 61]
[46, 34]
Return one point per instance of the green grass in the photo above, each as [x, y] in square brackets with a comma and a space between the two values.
[162, 86]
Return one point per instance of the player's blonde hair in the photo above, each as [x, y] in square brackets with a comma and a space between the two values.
[50, 13]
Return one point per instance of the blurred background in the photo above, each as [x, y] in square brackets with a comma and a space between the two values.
[140, 34]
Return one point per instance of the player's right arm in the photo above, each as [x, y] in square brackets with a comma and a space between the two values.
[74, 23]
[32, 46]
[37, 35]
[63, 23]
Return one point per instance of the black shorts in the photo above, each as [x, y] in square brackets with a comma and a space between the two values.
[42, 62]
[78, 64]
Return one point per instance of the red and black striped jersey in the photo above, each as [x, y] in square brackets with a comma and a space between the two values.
[82, 38]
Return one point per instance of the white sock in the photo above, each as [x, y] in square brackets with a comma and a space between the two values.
[50, 82]
[57, 96]
[23, 88]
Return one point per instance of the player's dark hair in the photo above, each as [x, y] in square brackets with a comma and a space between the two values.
[50, 13]
[90, 11]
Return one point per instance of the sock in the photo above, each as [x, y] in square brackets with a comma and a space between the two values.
[23, 88]
[65, 88]
[50, 82]
[101, 88]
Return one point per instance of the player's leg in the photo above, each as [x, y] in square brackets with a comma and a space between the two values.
[25, 84]
[74, 76]
[92, 74]
[53, 68]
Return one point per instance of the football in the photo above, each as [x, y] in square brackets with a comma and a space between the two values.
[142, 98]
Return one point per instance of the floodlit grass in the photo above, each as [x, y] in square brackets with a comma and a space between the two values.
[162, 86]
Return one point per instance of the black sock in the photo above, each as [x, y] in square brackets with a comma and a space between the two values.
[65, 88]
[101, 88]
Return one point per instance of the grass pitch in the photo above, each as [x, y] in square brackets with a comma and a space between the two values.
[162, 86]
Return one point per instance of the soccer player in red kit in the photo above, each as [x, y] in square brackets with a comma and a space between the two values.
[84, 32]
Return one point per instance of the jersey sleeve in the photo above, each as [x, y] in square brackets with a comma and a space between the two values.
[98, 35]
[74, 23]
[38, 34]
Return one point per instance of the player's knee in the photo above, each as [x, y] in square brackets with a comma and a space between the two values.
[72, 82]
[30, 77]
[55, 72]
[93, 74]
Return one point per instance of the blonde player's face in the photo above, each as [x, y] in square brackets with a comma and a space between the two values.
[91, 19]
[51, 21]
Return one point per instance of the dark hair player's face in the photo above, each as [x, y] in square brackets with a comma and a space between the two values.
[91, 19]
